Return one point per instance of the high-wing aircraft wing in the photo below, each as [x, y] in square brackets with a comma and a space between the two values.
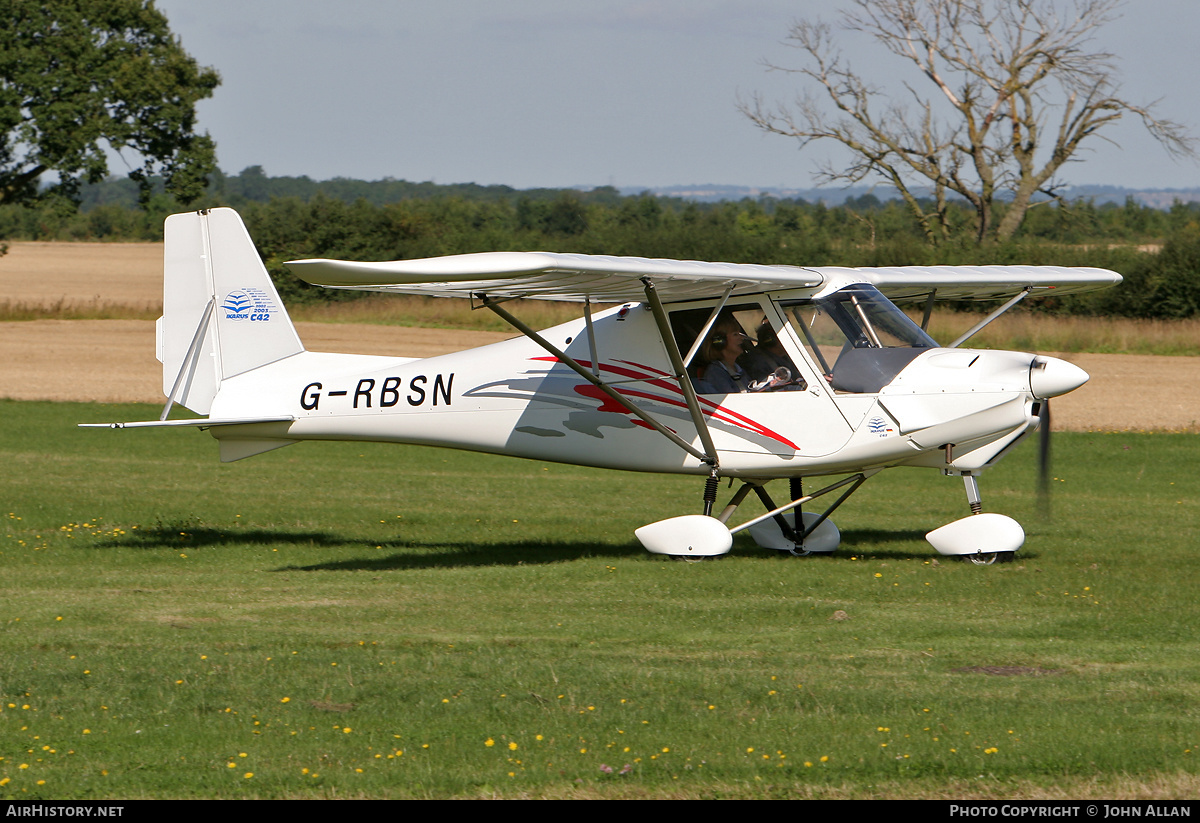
[906, 284]
[553, 276]
[600, 278]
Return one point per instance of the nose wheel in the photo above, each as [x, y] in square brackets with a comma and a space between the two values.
[983, 539]
[990, 558]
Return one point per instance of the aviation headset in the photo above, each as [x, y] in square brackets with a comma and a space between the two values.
[718, 340]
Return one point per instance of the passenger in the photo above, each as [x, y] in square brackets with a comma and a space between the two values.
[769, 354]
[770, 365]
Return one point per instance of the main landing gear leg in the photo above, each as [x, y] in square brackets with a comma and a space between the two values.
[710, 492]
[983, 539]
[693, 536]
[815, 533]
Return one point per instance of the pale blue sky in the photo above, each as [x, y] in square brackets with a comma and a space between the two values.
[563, 92]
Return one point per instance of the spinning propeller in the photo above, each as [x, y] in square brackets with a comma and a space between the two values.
[1044, 458]
[1050, 377]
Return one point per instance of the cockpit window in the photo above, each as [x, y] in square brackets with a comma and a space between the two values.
[857, 337]
[739, 352]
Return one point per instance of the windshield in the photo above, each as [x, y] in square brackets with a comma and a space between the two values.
[857, 337]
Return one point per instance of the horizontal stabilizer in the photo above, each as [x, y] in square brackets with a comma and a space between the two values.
[200, 422]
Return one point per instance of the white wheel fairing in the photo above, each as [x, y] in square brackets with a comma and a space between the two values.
[823, 540]
[978, 534]
[691, 535]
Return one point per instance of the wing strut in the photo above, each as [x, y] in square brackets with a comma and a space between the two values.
[928, 310]
[708, 324]
[591, 335]
[681, 376]
[562, 357]
[978, 326]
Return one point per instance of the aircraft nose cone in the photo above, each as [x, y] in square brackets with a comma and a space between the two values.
[1050, 377]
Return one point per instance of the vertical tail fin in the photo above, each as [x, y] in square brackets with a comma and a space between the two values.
[221, 313]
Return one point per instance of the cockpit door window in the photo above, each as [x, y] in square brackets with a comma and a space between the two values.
[858, 337]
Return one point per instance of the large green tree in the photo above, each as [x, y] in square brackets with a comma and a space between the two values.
[80, 76]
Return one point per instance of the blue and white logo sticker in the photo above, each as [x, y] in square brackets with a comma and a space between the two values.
[254, 305]
[879, 426]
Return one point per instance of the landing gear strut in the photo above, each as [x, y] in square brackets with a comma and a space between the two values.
[788, 528]
[983, 539]
[695, 536]
[710, 492]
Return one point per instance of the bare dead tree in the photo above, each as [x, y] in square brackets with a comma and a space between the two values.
[1014, 88]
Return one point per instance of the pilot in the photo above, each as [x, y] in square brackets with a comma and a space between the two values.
[725, 344]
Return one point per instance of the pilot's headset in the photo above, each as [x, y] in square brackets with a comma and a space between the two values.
[715, 345]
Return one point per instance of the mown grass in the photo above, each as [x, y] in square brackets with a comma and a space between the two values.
[357, 620]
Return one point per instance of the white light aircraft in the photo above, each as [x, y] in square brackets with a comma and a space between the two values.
[839, 381]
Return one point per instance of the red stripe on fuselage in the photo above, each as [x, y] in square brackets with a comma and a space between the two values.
[711, 409]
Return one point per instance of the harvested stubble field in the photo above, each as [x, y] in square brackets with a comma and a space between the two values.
[117, 287]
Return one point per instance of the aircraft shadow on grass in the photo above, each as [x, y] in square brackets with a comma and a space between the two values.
[409, 554]
[182, 535]
[447, 556]
[404, 554]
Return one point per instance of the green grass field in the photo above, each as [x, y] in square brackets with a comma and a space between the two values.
[349, 620]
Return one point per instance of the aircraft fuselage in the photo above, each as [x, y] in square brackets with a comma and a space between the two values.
[513, 398]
